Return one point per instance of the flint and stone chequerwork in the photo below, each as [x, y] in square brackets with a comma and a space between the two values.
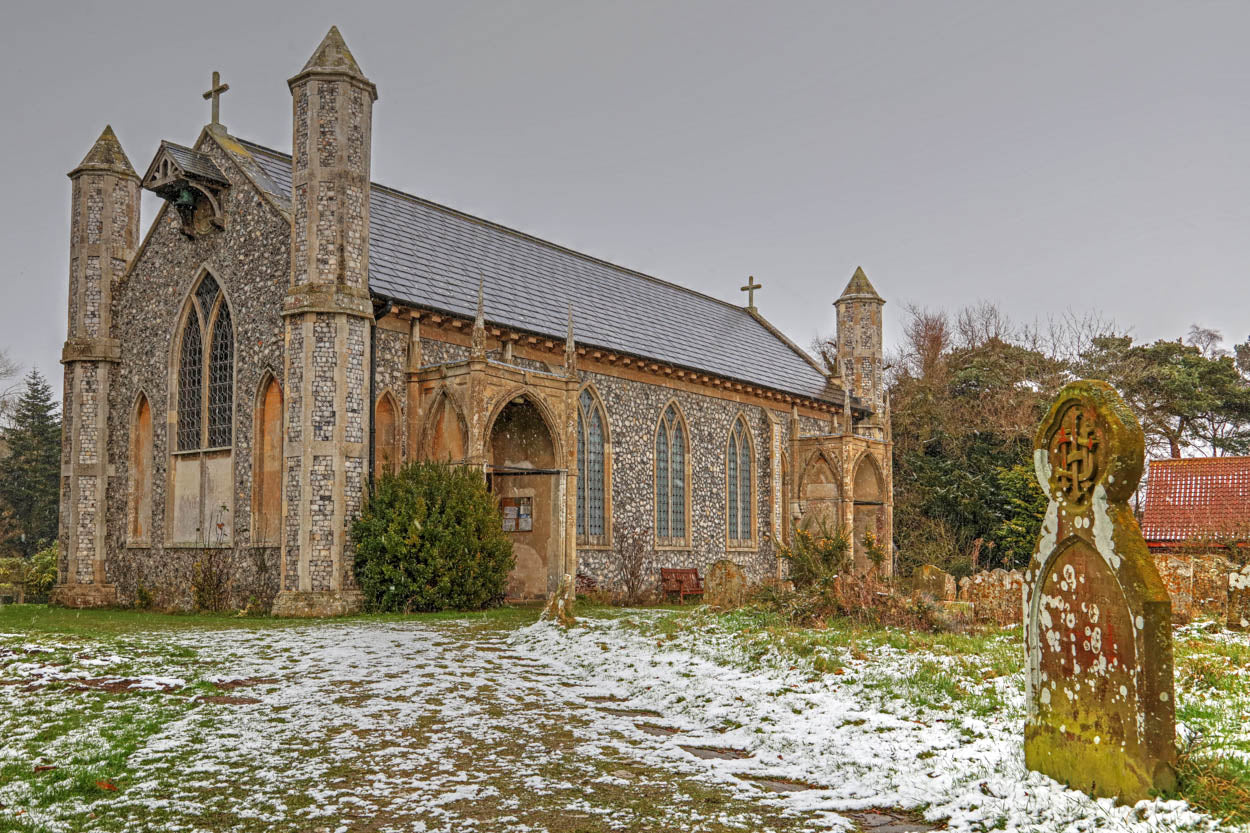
[288, 330]
[104, 229]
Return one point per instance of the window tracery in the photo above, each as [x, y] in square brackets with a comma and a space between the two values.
[591, 471]
[672, 512]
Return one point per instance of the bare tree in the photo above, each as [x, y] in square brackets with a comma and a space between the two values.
[10, 384]
[1208, 341]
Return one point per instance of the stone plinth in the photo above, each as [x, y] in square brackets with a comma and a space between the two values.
[318, 603]
[1098, 626]
[84, 595]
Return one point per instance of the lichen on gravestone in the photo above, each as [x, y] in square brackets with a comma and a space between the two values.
[1098, 620]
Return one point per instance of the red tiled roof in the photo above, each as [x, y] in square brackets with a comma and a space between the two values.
[1196, 497]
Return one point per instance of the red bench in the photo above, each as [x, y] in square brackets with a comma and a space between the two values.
[684, 582]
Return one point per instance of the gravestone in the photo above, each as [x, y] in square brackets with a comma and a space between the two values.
[1098, 621]
[1239, 599]
[726, 586]
[934, 582]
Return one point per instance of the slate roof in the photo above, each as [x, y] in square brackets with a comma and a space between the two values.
[1196, 497]
[427, 255]
[195, 163]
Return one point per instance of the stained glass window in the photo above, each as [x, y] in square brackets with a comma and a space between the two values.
[206, 371]
[221, 381]
[190, 384]
[670, 478]
[738, 482]
[591, 472]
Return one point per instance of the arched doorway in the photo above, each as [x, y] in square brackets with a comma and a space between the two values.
[869, 495]
[819, 495]
[524, 475]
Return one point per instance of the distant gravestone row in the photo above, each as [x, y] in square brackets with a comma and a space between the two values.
[1098, 619]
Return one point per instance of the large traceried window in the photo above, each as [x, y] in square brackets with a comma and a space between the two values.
[201, 472]
[672, 510]
[738, 479]
[592, 472]
[206, 400]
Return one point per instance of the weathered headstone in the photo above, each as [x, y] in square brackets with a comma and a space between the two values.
[726, 585]
[1101, 715]
[934, 582]
[1239, 599]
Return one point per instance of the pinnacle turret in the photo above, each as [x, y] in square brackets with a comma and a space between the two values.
[860, 287]
[106, 156]
[333, 56]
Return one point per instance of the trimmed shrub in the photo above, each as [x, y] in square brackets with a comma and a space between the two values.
[430, 538]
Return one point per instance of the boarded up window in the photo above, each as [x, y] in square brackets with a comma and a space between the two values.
[385, 437]
[140, 503]
[267, 478]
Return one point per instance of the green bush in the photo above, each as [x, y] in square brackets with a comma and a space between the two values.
[31, 578]
[817, 557]
[430, 538]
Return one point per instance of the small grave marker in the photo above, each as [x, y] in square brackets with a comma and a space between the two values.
[1098, 620]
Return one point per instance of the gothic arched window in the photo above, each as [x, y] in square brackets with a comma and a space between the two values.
[200, 480]
[672, 473]
[206, 400]
[738, 480]
[592, 471]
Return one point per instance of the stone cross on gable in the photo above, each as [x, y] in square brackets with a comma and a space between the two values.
[214, 94]
[749, 289]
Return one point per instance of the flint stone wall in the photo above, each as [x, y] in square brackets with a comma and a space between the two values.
[250, 261]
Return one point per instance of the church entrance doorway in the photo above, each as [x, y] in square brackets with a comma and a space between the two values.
[522, 471]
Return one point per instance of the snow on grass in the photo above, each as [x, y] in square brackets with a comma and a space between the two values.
[861, 738]
[432, 726]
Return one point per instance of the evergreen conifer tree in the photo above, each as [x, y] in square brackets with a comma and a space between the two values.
[30, 474]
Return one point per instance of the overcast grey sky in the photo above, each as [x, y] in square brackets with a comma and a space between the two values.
[1048, 156]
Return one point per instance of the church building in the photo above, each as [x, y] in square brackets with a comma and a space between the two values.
[288, 329]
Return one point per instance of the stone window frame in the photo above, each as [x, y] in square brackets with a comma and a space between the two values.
[739, 424]
[663, 543]
[604, 541]
[189, 307]
[134, 490]
[269, 377]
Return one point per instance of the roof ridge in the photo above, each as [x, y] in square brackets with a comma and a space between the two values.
[523, 234]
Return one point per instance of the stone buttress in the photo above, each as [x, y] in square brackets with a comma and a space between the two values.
[104, 230]
[328, 315]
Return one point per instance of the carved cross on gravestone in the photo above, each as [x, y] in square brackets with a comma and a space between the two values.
[749, 289]
[1098, 620]
[214, 93]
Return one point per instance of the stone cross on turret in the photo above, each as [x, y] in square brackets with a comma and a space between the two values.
[214, 94]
